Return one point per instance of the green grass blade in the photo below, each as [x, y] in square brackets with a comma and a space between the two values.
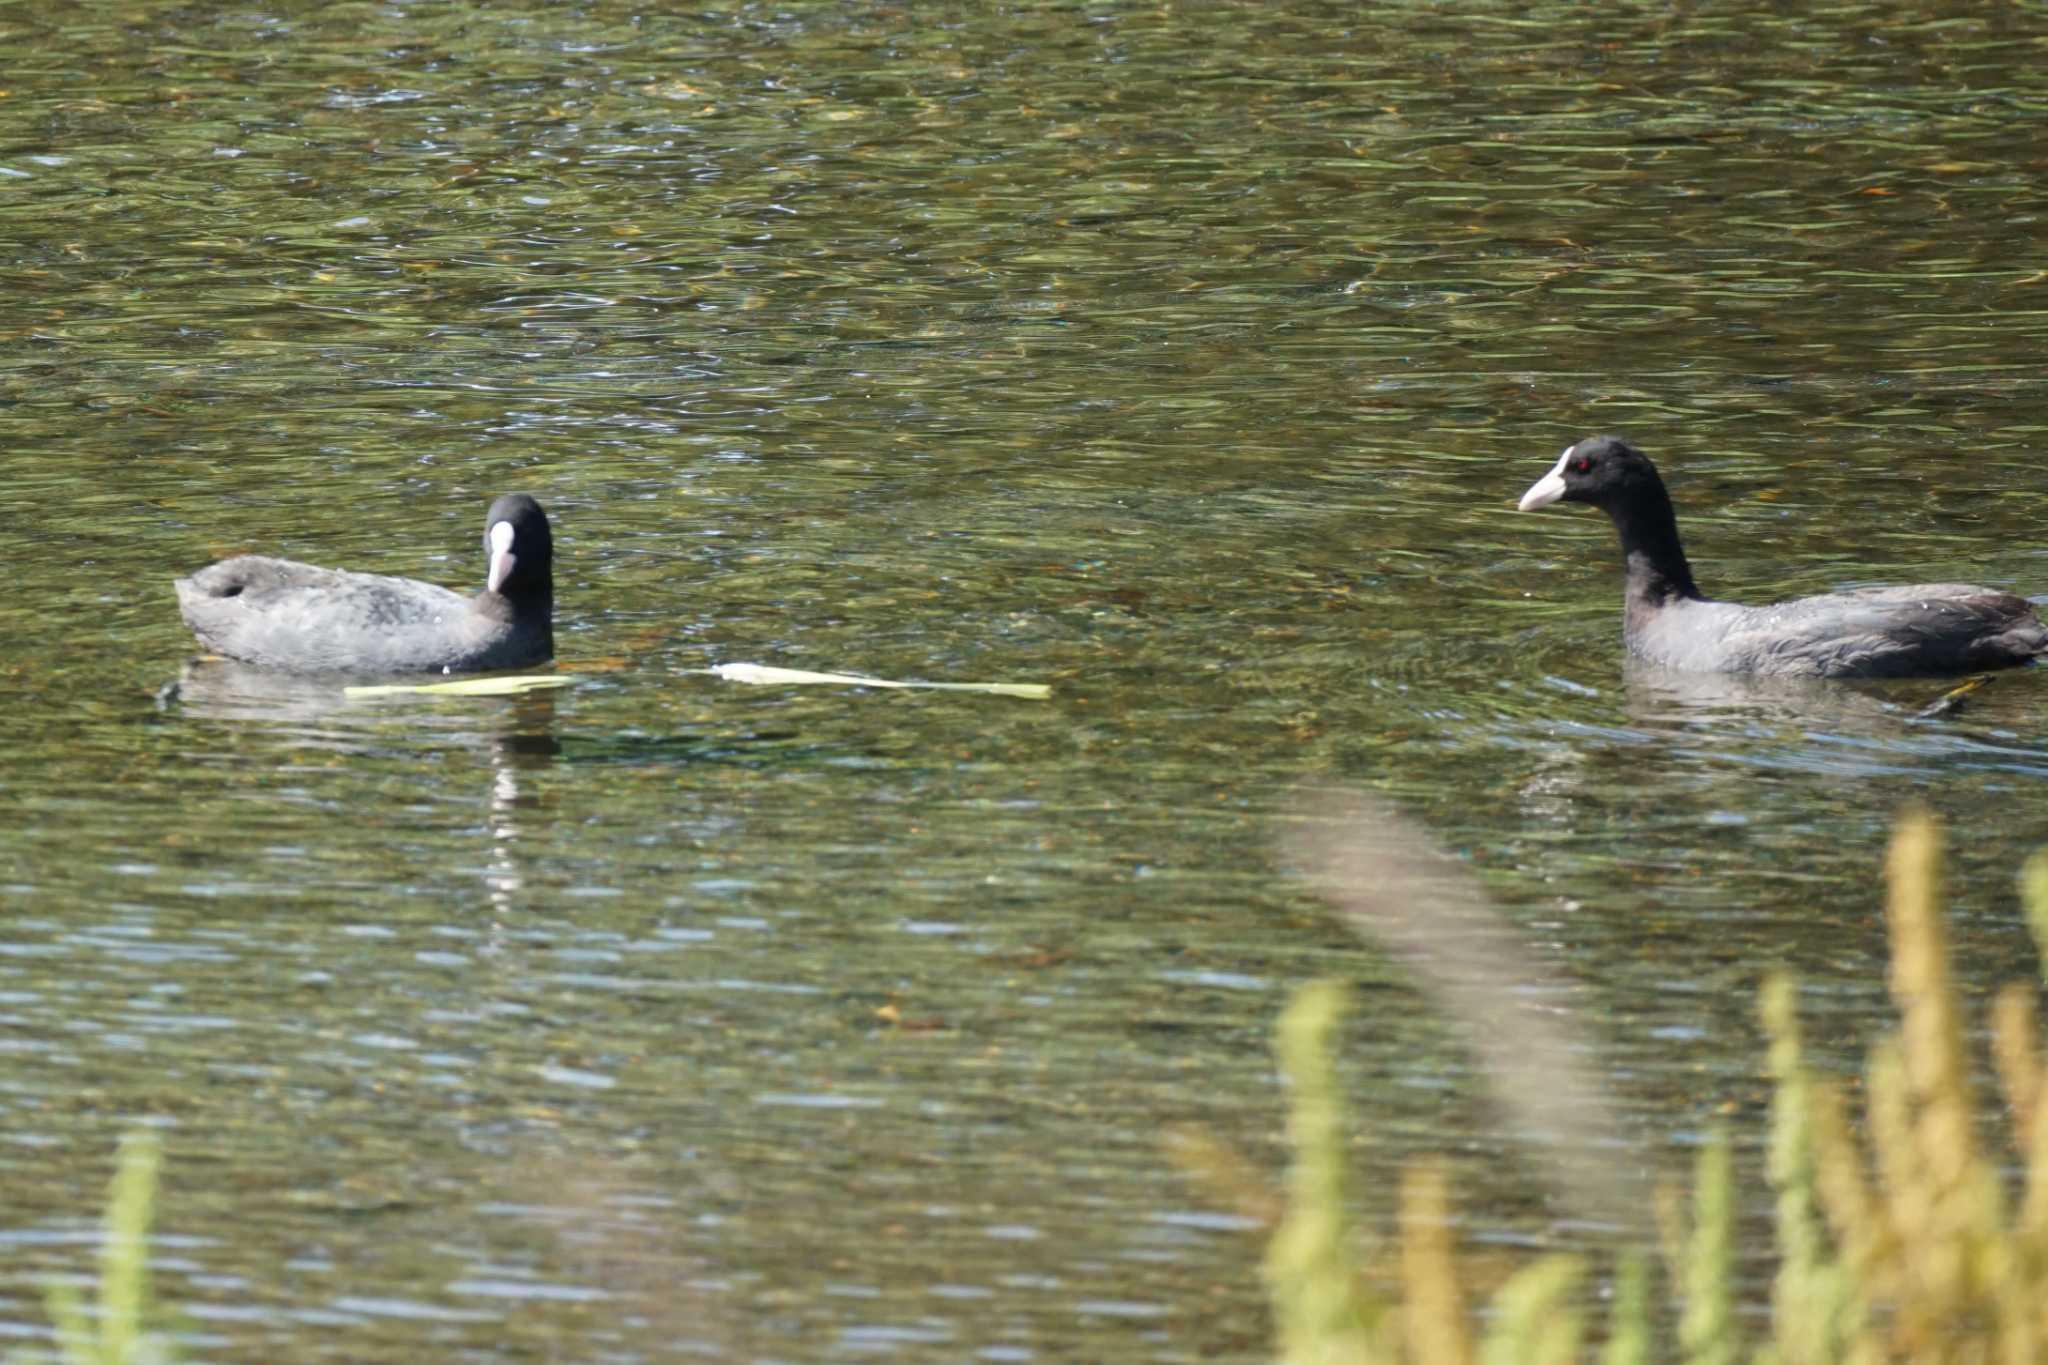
[1534, 1319]
[75, 1336]
[1707, 1334]
[2034, 895]
[1321, 1313]
[1628, 1322]
[124, 1248]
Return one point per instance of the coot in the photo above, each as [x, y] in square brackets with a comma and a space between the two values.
[1865, 633]
[278, 613]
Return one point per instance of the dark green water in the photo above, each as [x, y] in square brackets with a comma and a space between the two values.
[1189, 358]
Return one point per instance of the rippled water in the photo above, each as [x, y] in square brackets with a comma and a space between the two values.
[1188, 359]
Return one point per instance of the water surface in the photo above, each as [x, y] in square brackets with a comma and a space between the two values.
[1189, 360]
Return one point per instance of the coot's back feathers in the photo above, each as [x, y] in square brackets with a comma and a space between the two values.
[278, 613]
[1868, 632]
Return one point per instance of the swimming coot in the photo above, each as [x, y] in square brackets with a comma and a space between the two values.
[1864, 633]
[278, 613]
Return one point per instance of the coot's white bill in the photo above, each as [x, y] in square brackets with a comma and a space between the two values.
[1547, 489]
[502, 558]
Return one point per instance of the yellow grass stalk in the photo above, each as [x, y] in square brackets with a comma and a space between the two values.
[2014, 1035]
[2034, 897]
[1628, 1324]
[2033, 1135]
[1908, 1199]
[1817, 1309]
[1707, 1330]
[2032, 1231]
[114, 1333]
[1536, 1320]
[1857, 1215]
[1432, 1300]
[1958, 1268]
[1322, 1314]
[1937, 1069]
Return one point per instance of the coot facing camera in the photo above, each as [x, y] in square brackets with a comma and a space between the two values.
[1925, 628]
[278, 613]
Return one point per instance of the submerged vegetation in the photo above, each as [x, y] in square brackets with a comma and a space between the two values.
[1897, 1238]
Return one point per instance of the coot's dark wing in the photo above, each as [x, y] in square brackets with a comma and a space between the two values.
[1889, 632]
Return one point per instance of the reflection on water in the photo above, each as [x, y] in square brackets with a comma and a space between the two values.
[514, 739]
[1865, 730]
[513, 755]
[298, 710]
[1844, 730]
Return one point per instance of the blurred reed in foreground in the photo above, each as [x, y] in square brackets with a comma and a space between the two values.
[112, 1330]
[1897, 1237]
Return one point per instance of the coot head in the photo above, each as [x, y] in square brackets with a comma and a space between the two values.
[520, 547]
[1603, 470]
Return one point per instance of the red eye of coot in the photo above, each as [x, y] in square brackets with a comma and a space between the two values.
[1582, 464]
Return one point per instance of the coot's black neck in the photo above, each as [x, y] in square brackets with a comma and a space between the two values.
[1650, 552]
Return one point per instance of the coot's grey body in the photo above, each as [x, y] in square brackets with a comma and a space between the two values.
[1925, 628]
[278, 613]
[1868, 633]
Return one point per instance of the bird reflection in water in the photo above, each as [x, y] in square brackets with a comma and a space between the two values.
[514, 735]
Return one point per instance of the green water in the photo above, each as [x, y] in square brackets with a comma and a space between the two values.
[1188, 358]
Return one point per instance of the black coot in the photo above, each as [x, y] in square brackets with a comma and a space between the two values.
[1865, 633]
[278, 613]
